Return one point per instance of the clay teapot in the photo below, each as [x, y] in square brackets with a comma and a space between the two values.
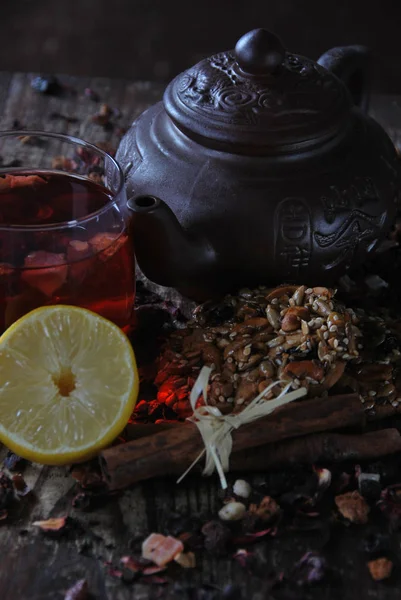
[259, 167]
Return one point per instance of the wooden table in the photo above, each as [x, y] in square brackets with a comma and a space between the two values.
[37, 567]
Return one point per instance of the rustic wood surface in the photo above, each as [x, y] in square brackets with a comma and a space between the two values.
[37, 567]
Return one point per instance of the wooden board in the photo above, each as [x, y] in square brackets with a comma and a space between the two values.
[37, 567]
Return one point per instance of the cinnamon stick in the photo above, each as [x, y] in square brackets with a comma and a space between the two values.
[318, 447]
[159, 454]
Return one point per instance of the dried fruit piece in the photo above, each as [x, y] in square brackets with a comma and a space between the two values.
[217, 536]
[353, 507]
[380, 569]
[232, 511]
[106, 244]
[161, 549]
[52, 525]
[242, 488]
[9, 182]
[78, 253]
[46, 271]
[186, 560]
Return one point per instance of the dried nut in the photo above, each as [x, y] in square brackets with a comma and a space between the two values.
[242, 488]
[247, 390]
[380, 569]
[262, 336]
[266, 510]
[239, 342]
[256, 323]
[253, 361]
[293, 340]
[280, 291]
[211, 356]
[322, 291]
[304, 368]
[267, 368]
[332, 377]
[233, 511]
[292, 318]
[262, 386]
[353, 506]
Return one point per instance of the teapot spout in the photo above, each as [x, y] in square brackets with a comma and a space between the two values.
[165, 252]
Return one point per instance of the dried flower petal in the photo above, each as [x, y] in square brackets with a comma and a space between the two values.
[380, 569]
[310, 569]
[161, 549]
[11, 460]
[243, 557]
[353, 507]
[52, 525]
[267, 509]
[250, 538]
[6, 491]
[217, 537]
[79, 591]
[142, 566]
[46, 84]
[3, 514]
[324, 478]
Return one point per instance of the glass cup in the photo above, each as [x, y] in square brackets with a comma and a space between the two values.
[63, 228]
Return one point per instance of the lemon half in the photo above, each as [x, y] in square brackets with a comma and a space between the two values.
[68, 384]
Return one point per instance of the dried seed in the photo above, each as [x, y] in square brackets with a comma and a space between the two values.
[304, 327]
[273, 317]
[276, 341]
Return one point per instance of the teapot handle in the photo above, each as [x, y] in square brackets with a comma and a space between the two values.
[351, 64]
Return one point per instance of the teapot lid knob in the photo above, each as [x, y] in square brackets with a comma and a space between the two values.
[259, 52]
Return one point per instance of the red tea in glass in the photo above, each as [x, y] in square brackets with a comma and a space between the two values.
[64, 239]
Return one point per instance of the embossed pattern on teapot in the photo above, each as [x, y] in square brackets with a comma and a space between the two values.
[267, 171]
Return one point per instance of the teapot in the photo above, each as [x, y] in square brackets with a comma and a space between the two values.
[259, 166]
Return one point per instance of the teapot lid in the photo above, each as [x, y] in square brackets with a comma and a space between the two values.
[258, 99]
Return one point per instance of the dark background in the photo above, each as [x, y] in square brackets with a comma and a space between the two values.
[156, 39]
